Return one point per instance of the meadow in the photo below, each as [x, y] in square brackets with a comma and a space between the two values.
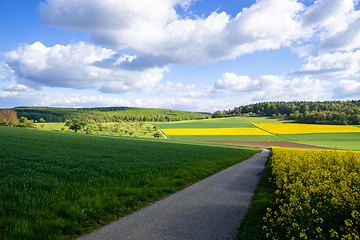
[123, 128]
[60, 185]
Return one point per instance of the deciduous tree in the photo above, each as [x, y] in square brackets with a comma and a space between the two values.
[8, 117]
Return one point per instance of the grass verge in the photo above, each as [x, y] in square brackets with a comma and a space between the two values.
[251, 226]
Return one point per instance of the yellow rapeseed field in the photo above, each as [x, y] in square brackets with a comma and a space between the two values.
[296, 128]
[317, 195]
[214, 131]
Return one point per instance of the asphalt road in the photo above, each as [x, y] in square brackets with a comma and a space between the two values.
[210, 209]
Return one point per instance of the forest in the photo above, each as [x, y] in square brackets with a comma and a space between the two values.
[327, 112]
[106, 114]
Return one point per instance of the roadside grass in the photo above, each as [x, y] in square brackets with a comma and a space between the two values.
[61, 185]
[251, 225]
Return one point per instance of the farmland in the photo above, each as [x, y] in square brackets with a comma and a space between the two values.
[305, 209]
[231, 129]
[256, 129]
[60, 185]
[56, 183]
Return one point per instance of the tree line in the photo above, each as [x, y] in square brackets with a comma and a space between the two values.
[9, 117]
[107, 114]
[326, 112]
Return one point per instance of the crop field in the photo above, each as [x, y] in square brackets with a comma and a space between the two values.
[316, 197]
[214, 131]
[293, 128]
[263, 129]
[222, 129]
[60, 185]
[234, 122]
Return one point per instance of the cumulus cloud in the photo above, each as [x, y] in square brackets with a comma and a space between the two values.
[337, 64]
[271, 87]
[12, 99]
[169, 86]
[329, 16]
[154, 27]
[347, 89]
[16, 88]
[159, 36]
[264, 88]
[233, 83]
[79, 66]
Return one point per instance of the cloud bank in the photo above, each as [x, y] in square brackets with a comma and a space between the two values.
[77, 66]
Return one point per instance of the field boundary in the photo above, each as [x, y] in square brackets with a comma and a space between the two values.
[267, 144]
[162, 133]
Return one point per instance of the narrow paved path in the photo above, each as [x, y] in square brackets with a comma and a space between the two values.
[209, 209]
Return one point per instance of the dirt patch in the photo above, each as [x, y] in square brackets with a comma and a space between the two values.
[269, 144]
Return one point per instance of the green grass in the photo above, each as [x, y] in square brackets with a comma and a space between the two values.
[251, 226]
[323, 137]
[225, 138]
[344, 145]
[330, 140]
[60, 185]
[265, 120]
[130, 129]
[234, 122]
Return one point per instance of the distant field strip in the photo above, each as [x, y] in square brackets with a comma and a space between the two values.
[294, 128]
[214, 131]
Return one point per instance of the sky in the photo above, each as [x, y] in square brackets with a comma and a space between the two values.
[194, 55]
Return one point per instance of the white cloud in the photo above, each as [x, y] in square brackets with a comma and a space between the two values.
[334, 23]
[264, 88]
[154, 31]
[337, 64]
[80, 66]
[347, 89]
[154, 28]
[347, 39]
[16, 88]
[12, 99]
[230, 82]
[169, 86]
[330, 16]
[271, 88]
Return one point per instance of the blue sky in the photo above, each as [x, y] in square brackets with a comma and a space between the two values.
[197, 55]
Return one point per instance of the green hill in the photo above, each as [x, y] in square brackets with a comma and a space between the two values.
[107, 114]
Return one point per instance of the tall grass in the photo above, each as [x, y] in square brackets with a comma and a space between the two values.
[60, 185]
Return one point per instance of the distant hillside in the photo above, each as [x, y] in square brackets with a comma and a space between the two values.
[327, 112]
[107, 114]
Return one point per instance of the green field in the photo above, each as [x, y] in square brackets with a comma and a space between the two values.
[130, 129]
[179, 138]
[235, 122]
[60, 185]
[265, 120]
